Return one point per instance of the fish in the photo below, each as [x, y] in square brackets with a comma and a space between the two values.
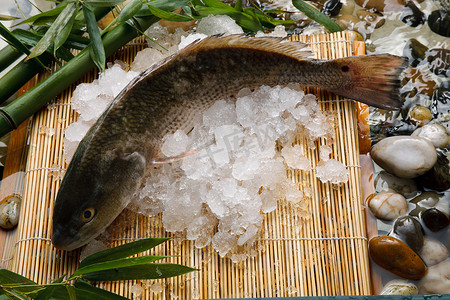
[117, 151]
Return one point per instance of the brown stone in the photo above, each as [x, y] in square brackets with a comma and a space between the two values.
[395, 256]
[373, 19]
[382, 5]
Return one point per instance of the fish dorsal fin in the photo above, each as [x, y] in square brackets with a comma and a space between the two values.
[277, 45]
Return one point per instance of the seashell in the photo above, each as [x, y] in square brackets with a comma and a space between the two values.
[399, 287]
[9, 212]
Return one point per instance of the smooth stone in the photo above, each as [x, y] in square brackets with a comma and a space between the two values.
[434, 219]
[331, 7]
[412, 15]
[373, 19]
[399, 287]
[433, 251]
[409, 230]
[9, 212]
[382, 5]
[419, 115]
[437, 280]
[385, 181]
[421, 81]
[415, 52]
[438, 177]
[388, 205]
[351, 22]
[439, 61]
[439, 22]
[435, 133]
[395, 256]
[404, 156]
[427, 199]
[440, 104]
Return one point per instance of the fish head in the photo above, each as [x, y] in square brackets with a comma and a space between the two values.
[89, 201]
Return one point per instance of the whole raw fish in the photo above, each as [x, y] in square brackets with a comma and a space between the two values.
[111, 160]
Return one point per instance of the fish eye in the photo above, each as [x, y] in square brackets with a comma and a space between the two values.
[345, 69]
[87, 214]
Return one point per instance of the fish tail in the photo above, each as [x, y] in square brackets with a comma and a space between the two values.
[373, 79]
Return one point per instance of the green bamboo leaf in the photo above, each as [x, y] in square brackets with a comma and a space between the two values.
[62, 36]
[15, 282]
[86, 291]
[64, 54]
[31, 38]
[168, 15]
[316, 15]
[122, 251]
[96, 50]
[114, 264]
[53, 292]
[216, 3]
[103, 3]
[147, 271]
[238, 5]
[7, 18]
[15, 295]
[12, 40]
[161, 4]
[49, 13]
[71, 291]
[4, 296]
[128, 12]
[49, 37]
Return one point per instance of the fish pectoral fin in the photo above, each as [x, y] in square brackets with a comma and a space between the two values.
[136, 160]
[170, 159]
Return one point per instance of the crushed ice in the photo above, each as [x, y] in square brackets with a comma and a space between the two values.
[218, 195]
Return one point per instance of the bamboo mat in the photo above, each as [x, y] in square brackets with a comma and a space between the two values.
[321, 253]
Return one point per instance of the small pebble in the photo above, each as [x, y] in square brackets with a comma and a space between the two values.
[332, 7]
[439, 61]
[434, 219]
[373, 19]
[9, 212]
[351, 22]
[439, 22]
[435, 133]
[433, 251]
[419, 115]
[415, 52]
[438, 177]
[385, 181]
[395, 256]
[437, 280]
[404, 156]
[388, 205]
[412, 15]
[382, 5]
[409, 230]
[399, 287]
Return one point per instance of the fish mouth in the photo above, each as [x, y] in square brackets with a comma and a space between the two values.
[63, 241]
